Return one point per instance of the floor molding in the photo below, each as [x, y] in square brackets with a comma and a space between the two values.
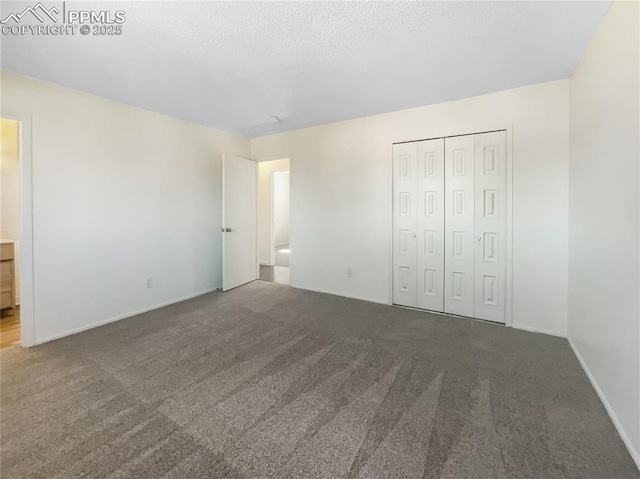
[386, 303]
[532, 329]
[120, 317]
[343, 295]
[618, 425]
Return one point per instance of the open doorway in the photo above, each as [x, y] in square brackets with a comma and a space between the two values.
[274, 246]
[9, 232]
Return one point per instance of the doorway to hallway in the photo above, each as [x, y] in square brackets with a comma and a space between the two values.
[274, 243]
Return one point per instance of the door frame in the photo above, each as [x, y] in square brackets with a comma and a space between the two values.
[25, 172]
[508, 129]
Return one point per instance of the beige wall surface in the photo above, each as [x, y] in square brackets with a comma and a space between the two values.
[604, 216]
[341, 195]
[120, 195]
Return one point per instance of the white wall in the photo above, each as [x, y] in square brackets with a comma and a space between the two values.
[341, 195]
[10, 192]
[265, 220]
[120, 194]
[281, 208]
[604, 219]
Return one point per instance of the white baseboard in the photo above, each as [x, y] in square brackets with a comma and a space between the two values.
[532, 329]
[386, 303]
[625, 438]
[334, 293]
[118, 318]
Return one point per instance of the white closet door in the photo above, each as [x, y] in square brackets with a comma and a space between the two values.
[430, 225]
[404, 224]
[459, 225]
[490, 226]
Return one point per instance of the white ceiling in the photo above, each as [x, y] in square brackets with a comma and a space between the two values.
[232, 66]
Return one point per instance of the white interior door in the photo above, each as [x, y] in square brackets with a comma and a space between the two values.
[490, 226]
[404, 224]
[239, 221]
[459, 225]
[430, 225]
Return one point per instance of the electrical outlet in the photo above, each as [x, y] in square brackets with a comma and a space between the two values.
[349, 273]
[149, 283]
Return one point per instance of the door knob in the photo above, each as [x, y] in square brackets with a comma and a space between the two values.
[228, 230]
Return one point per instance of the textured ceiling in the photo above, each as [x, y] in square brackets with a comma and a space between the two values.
[232, 66]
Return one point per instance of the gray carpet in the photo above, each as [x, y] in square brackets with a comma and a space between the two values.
[270, 381]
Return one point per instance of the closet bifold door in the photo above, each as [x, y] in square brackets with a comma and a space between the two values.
[405, 185]
[430, 225]
[459, 186]
[490, 226]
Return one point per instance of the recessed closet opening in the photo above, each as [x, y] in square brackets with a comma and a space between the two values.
[452, 225]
